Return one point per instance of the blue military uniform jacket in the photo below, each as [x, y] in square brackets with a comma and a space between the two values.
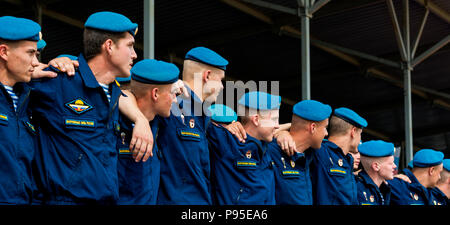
[369, 193]
[77, 159]
[404, 193]
[242, 173]
[438, 197]
[332, 177]
[138, 181]
[17, 149]
[292, 176]
[185, 167]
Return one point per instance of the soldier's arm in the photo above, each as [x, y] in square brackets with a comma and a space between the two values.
[283, 127]
[142, 138]
[285, 141]
[64, 64]
[237, 130]
[403, 177]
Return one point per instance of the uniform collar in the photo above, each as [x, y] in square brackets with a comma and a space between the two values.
[384, 188]
[366, 178]
[192, 97]
[298, 155]
[190, 105]
[411, 176]
[86, 73]
[251, 138]
[262, 145]
[331, 145]
[19, 88]
[414, 181]
[438, 191]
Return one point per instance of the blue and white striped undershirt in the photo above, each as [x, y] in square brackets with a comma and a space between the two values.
[13, 95]
[106, 89]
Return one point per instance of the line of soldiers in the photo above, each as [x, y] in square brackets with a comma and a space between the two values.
[72, 134]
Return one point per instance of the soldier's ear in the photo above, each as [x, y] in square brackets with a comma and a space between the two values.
[375, 166]
[430, 171]
[107, 45]
[4, 51]
[154, 94]
[353, 131]
[255, 119]
[312, 127]
[205, 75]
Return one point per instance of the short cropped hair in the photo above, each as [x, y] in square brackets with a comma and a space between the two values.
[8, 42]
[445, 175]
[338, 126]
[140, 89]
[298, 123]
[93, 40]
[245, 113]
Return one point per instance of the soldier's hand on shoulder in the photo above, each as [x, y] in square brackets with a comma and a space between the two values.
[40, 73]
[64, 64]
[141, 143]
[403, 177]
[237, 130]
[286, 142]
[179, 88]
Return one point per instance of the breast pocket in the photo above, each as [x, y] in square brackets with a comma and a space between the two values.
[188, 134]
[246, 164]
[290, 174]
[4, 119]
[337, 172]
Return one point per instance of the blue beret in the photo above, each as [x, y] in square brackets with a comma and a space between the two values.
[222, 113]
[351, 117]
[312, 110]
[260, 100]
[41, 45]
[447, 164]
[152, 71]
[207, 56]
[112, 22]
[427, 158]
[123, 80]
[376, 148]
[16, 29]
[72, 57]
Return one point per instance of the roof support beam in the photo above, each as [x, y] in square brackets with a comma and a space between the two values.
[316, 6]
[303, 10]
[358, 53]
[398, 33]
[435, 9]
[272, 6]
[430, 51]
[419, 34]
[149, 29]
[249, 10]
[407, 83]
[294, 32]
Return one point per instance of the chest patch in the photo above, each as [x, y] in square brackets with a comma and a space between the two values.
[79, 106]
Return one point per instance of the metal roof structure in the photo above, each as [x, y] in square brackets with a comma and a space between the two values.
[355, 55]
